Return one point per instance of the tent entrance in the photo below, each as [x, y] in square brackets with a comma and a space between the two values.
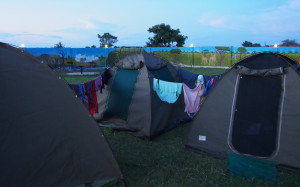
[256, 115]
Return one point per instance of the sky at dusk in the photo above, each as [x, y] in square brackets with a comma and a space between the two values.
[76, 23]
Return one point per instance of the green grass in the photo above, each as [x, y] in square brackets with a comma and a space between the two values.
[165, 161]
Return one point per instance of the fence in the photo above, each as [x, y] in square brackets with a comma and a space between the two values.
[192, 56]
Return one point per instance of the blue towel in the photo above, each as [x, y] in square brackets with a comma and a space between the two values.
[167, 91]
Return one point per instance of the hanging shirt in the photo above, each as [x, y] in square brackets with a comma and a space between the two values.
[167, 91]
[192, 98]
[187, 77]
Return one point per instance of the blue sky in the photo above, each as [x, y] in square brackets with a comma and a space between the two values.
[76, 23]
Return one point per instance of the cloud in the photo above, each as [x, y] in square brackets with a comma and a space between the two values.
[213, 20]
[282, 20]
[87, 24]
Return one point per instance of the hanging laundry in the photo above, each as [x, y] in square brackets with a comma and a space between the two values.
[209, 77]
[106, 75]
[187, 77]
[192, 98]
[94, 105]
[87, 92]
[200, 80]
[167, 91]
[210, 83]
[98, 83]
[82, 95]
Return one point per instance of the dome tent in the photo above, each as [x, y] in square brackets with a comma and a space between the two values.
[129, 102]
[47, 136]
[252, 111]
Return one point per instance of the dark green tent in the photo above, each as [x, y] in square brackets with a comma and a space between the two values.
[129, 103]
[253, 110]
[47, 136]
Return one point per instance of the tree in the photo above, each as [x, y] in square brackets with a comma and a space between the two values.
[242, 50]
[288, 42]
[107, 39]
[250, 44]
[63, 54]
[222, 52]
[175, 52]
[165, 36]
[59, 45]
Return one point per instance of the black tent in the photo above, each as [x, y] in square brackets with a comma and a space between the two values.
[47, 137]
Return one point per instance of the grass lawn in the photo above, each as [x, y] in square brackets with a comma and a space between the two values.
[165, 161]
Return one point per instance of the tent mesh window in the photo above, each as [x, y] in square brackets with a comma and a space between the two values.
[256, 115]
[121, 94]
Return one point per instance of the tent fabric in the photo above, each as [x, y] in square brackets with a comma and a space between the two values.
[267, 106]
[47, 137]
[123, 86]
[154, 63]
[248, 167]
[163, 74]
[261, 72]
[187, 77]
[132, 62]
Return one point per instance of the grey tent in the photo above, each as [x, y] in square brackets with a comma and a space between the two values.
[253, 110]
[129, 103]
[47, 136]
